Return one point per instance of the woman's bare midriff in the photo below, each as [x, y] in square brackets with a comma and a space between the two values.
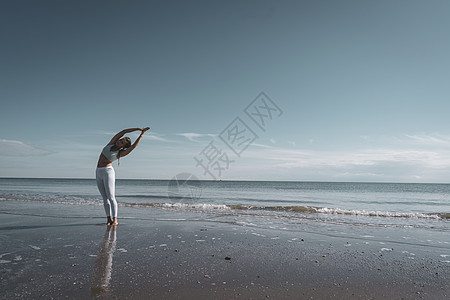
[103, 162]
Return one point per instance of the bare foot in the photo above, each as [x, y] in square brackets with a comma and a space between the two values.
[109, 221]
[115, 223]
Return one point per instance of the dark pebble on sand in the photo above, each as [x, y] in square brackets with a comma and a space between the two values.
[227, 258]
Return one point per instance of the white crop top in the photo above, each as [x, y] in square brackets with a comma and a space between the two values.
[110, 155]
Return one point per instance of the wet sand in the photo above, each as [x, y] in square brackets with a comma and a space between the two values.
[168, 257]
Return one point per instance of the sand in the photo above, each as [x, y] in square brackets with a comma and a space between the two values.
[171, 255]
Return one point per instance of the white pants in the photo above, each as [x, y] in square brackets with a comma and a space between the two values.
[106, 179]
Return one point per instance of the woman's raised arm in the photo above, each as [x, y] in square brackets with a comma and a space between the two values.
[123, 132]
[131, 148]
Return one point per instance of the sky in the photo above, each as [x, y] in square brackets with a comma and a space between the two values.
[232, 90]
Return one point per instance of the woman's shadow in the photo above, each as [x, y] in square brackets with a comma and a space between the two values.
[103, 265]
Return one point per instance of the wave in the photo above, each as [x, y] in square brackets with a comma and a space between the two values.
[149, 196]
[204, 206]
[297, 209]
[337, 211]
[236, 207]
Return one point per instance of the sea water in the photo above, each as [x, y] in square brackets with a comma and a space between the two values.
[408, 215]
[399, 204]
[397, 200]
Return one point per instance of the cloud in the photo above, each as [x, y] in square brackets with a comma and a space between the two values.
[261, 146]
[409, 163]
[430, 140]
[193, 137]
[18, 148]
[410, 140]
[369, 157]
[104, 132]
[156, 137]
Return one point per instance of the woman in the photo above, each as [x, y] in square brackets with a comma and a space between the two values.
[116, 148]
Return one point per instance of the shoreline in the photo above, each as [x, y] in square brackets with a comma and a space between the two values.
[183, 255]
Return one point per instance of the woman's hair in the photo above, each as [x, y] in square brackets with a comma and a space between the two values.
[127, 145]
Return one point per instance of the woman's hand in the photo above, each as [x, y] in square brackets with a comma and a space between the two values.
[145, 129]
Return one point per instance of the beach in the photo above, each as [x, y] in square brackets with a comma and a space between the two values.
[247, 149]
[156, 253]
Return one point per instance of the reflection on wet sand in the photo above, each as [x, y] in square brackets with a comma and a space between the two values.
[103, 264]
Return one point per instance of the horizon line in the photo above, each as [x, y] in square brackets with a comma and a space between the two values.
[235, 180]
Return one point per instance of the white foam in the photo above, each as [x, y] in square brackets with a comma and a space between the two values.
[258, 234]
[372, 213]
[195, 206]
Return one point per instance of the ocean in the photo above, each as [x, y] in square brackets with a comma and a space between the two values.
[387, 203]
[409, 216]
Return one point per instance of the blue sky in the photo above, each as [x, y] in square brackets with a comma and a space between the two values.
[362, 86]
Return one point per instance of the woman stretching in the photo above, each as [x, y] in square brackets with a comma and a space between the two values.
[116, 148]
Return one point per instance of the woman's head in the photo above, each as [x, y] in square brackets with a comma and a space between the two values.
[123, 143]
